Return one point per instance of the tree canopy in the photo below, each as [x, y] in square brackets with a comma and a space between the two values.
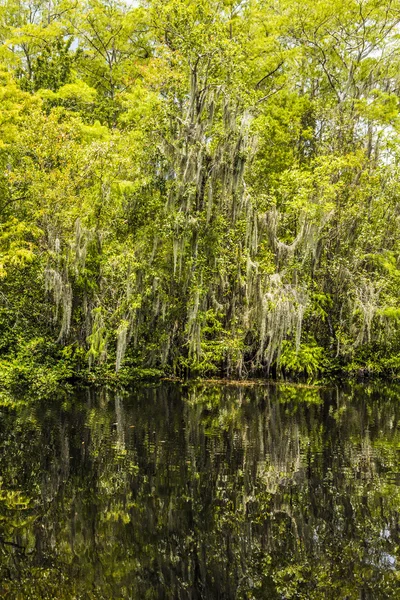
[199, 187]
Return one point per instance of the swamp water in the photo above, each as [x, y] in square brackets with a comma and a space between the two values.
[214, 492]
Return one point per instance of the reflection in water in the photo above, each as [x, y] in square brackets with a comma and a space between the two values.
[202, 492]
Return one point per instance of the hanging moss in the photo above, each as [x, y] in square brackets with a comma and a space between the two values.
[222, 198]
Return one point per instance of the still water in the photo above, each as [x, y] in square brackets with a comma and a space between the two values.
[202, 492]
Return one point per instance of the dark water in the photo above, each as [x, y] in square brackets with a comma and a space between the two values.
[202, 492]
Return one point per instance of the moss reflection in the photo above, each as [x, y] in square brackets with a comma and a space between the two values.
[202, 492]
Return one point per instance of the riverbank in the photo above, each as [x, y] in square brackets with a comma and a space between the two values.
[43, 376]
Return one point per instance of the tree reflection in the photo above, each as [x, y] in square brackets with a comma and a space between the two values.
[202, 492]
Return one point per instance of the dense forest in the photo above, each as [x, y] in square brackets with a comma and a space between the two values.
[199, 188]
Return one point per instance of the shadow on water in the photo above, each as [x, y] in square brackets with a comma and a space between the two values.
[202, 492]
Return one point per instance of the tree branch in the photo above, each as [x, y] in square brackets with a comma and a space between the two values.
[259, 83]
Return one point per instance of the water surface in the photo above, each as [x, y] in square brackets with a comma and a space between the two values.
[202, 492]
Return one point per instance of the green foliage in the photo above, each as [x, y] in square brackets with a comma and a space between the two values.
[51, 68]
[221, 179]
[308, 359]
